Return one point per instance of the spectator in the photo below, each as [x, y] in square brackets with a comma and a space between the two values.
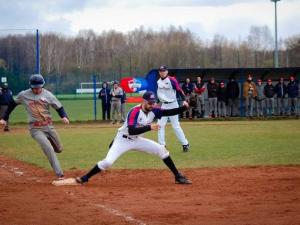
[116, 95]
[222, 100]
[269, 92]
[249, 94]
[233, 92]
[5, 99]
[260, 99]
[212, 90]
[199, 90]
[292, 91]
[188, 88]
[281, 90]
[104, 95]
[123, 103]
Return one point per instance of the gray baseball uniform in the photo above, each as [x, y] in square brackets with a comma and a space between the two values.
[116, 104]
[40, 123]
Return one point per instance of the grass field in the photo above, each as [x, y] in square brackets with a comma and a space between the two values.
[78, 110]
[213, 144]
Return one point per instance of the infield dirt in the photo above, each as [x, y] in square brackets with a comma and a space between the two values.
[244, 195]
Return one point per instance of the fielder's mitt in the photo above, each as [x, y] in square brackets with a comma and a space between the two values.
[192, 100]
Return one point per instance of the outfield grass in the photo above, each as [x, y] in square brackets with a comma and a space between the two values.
[78, 110]
[213, 144]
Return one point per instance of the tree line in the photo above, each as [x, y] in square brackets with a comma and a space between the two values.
[68, 60]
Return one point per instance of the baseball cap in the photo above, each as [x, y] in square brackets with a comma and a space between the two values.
[149, 96]
[163, 68]
[269, 80]
[259, 80]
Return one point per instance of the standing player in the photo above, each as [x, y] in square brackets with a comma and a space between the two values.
[37, 101]
[5, 98]
[116, 95]
[139, 120]
[167, 88]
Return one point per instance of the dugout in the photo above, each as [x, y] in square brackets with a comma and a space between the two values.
[224, 74]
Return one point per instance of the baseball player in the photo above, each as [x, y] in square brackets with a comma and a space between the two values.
[130, 136]
[116, 94]
[5, 98]
[37, 101]
[167, 88]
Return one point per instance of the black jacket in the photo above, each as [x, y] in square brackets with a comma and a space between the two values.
[104, 95]
[212, 90]
[269, 91]
[5, 96]
[222, 96]
[233, 90]
[292, 89]
[281, 90]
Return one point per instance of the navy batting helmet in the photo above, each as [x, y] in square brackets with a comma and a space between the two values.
[36, 81]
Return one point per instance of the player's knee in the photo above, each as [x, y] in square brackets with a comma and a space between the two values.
[176, 126]
[163, 153]
[57, 148]
[104, 164]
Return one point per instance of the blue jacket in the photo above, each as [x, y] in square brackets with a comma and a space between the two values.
[293, 89]
[104, 95]
[280, 90]
[5, 96]
[187, 88]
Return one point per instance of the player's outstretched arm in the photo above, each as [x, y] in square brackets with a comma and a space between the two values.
[175, 111]
[133, 130]
[139, 130]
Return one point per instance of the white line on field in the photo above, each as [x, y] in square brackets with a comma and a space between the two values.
[115, 212]
[121, 214]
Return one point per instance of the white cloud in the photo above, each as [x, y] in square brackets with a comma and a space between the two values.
[231, 18]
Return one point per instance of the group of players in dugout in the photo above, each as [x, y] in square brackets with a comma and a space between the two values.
[218, 99]
[37, 101]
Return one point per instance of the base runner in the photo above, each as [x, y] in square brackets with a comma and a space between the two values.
[139, 120]
[37, 101]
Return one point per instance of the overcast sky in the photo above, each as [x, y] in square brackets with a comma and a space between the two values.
[231, 18]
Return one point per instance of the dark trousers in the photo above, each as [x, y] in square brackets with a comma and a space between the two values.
[105, 110]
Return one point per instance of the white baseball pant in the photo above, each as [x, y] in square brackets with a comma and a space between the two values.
[175, 124]
[122, 145]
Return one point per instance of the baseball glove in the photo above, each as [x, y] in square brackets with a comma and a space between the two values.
[192, 100]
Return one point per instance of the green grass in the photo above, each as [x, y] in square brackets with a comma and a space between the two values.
[213, 144]
[78, 110]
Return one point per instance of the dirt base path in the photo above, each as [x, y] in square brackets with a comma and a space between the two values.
[247, 195]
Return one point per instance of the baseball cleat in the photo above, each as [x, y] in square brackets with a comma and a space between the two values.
[180, 179]
[81, 180]
[186, 148]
